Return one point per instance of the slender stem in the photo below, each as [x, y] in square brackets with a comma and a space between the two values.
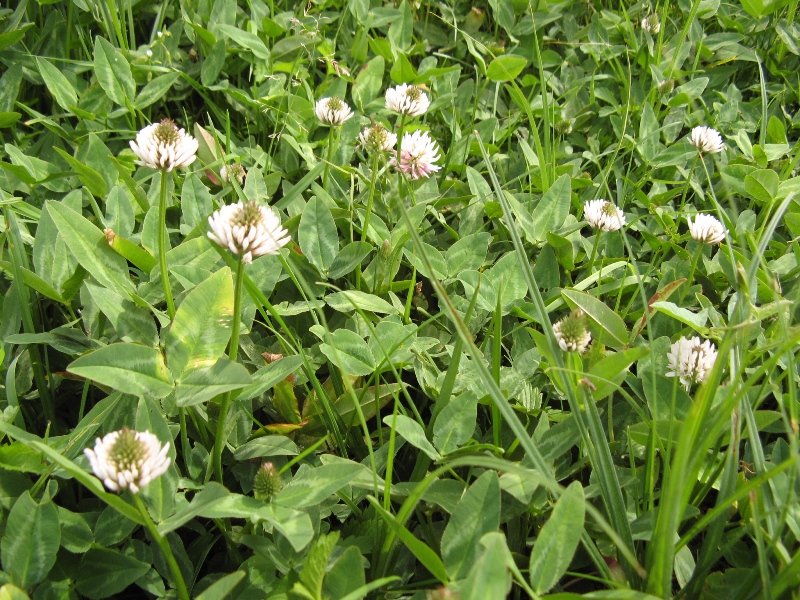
[497, 348]
[365, 229]
[328, 159]
[686, 185]
[689, 281]
[594, 254]
[233, 352]
[387, 489]
[162, 244]
[177, 576]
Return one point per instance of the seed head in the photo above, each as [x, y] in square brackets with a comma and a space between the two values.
[267, 482]
[572, 333]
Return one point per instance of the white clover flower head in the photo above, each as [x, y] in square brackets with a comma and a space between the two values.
[128, 459]
[407, 100]
[377, 139]
[248, 230]
[235, 170]
[333, 111]
[572, 333]
[417, 155]
[691, 360]
[651, 24]
[164, 146]
[603, 215]
[707, 140]
[706, 229]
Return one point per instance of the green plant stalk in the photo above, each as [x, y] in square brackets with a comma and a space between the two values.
[328, 158]
[497, 348]
[23, 295]
[607, 474]
[686, 185]
[690, 280]
[163, 543]
[593, 256]
[162, 244]
[387, 490]
[365, 230]
[233, 352]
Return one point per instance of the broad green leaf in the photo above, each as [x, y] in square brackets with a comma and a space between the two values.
[213, 63]
[551, 211]
[128, 368]
[246, 39]
[468, 253]
[204, 383]
[418, 548]
[456, 423]
[488, 579]
[294, 525]
[265, 378]
[113, 72]
[201, 328]
[696, 321]
[222, 588]
[348, 258]
[211, 494]
[155, 90]
[609, 321]
[57, 83]
[506, 67]
[368, 82]
[31, 540]
[413, 433]
[93, 181]
[477, 513]
[269, 445]
[349, 300]
[762, 185]
[9, 38]
[608, 373]
[349, 352]
[76, 535]
[90, 247]
[311, 486]
[11, 592]
[558, 539]
[317, 235]
[103, 573]
[159, 494]
[346, 575]
[196, 201]
[132, 324]
[316, 563]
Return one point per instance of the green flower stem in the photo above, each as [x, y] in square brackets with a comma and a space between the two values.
[177, 576]
[328, 159]
[162, 244]
[593, 256]
[365, 229]
[686, 185]
[689, 281]
[233, 352]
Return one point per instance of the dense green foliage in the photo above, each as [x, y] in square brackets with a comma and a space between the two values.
[383, 409]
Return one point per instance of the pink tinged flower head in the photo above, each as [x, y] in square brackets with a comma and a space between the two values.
[248, 230]
[164, 146]
[407, 100]
[128, 459]
[418, 152]
[706, 229]
[332, 111]
[691, 360]
[707, 140]
[603, 215]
